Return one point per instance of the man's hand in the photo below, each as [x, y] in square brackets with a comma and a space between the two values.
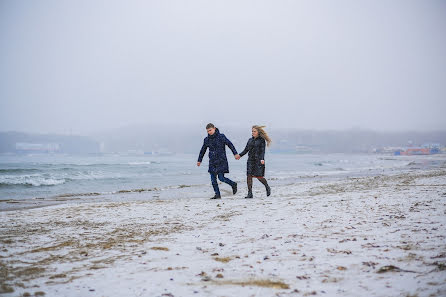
[262, 161]
[198, 164]
[237, 157]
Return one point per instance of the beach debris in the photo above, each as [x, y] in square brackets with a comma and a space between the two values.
[301, 277]
[61, 275]
[223, 259]
[257, 283]
[406, 247]
[266, 258]
[341, 268]
[338, 251]
[4, 288]
[440, 266]
[265, 236]
[442, 255]
[370, 264]
[198, 248]
[168, 295]
[392, 268]
[370, 245]
[219, 275]
[388, 268]
[204, 276]
[331, 280]
[347, 239]
[221, 244]
[159, 248]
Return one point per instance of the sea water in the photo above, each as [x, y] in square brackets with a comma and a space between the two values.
[46, 176]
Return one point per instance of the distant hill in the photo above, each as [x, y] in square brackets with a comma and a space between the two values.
[188, 139]
[13, 142]
[352, 141]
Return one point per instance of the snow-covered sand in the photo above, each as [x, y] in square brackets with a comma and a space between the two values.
[370, 236]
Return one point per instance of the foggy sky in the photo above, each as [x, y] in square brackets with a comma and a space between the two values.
[89, 66]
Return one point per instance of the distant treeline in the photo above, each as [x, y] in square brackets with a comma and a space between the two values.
[66, 143]
[184, 140]
[189, 139]
[352, 141]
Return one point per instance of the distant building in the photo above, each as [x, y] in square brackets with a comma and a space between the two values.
[424, 150]
[24, 147]
[434, 148]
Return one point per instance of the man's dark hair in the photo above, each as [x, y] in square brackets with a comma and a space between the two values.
[210, 125]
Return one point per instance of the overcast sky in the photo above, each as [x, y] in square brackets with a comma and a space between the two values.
[88, 66]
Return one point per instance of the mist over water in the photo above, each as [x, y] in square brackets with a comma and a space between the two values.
[84, 67]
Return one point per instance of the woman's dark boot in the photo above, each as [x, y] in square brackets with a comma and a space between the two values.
[216, 197]
[268, 190]
[249, 195]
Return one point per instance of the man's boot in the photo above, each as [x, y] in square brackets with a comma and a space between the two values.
[234, 188]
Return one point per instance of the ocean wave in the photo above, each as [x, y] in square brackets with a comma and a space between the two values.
[29, 181]
[17, 170]
[322, 164]
[98, 175]
[102, 165]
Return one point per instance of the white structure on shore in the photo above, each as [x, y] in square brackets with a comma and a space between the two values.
[37, 147]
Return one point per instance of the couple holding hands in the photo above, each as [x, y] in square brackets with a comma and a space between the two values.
[218, 163]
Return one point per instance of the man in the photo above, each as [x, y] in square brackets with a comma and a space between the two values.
[218, 163]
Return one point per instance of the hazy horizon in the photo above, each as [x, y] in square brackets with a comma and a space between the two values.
[200, 129]
[87, 67]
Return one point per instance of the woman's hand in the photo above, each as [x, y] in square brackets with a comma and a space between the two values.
[198, 164]
[237, 157]
[262, 161]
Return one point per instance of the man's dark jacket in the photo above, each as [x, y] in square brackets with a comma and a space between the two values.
[218, 163]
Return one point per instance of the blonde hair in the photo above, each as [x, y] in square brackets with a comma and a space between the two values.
[263, 134]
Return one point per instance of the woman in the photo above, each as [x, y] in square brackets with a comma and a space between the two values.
[256, 158]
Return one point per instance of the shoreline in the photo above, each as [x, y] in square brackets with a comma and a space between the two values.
[202, 190]
[370, 236]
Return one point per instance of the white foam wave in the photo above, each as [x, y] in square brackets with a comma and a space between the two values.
[29, 180]
[140, 163]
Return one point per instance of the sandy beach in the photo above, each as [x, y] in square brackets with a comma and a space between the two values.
[369, 236]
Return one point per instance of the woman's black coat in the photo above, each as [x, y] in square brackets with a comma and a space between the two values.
[256, 152]
[218, 163]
